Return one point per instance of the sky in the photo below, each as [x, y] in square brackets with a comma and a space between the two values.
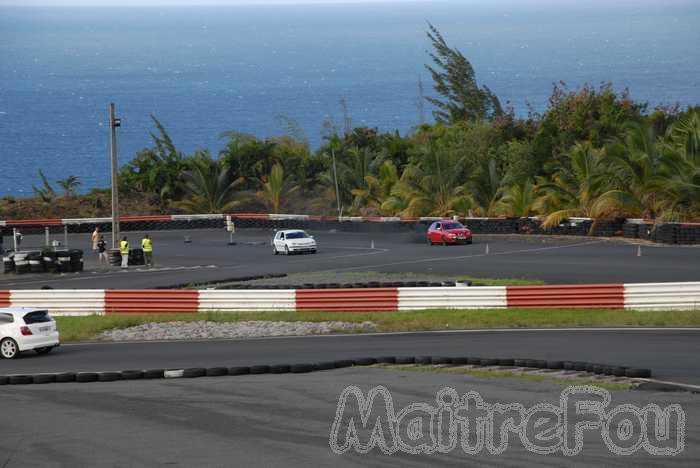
[182, 2]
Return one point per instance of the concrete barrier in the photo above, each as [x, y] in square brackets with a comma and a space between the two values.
[666, 296]
[246, 300]
[487, 297]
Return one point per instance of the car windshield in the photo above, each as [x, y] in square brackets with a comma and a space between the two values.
[297, 235]
[452, 226]
[40, 316]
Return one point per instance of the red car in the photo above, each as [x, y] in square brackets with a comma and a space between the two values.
[448, 232]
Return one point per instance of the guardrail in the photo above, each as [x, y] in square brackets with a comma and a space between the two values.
[659, 296]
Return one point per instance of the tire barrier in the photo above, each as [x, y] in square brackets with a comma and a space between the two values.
[569, 368]
[150, 301]
[42, 261]
[600, 296]
[348, 300]
[669, 233]
[659, 296]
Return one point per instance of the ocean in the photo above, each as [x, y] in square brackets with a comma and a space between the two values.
[206, 70]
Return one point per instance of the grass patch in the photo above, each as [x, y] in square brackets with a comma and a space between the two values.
[482, 373]
[86, 328]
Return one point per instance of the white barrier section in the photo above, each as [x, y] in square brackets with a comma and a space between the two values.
[195, 217]
[61, 302]
[662, 296]
[482, 297]
[246, 300]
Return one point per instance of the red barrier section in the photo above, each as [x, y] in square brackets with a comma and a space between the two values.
[35, 222]
[348, 300]
[146, 218]
[593, 296]
[151, 301]
[4, 298]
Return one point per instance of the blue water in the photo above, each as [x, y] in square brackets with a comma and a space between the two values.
[206, 70]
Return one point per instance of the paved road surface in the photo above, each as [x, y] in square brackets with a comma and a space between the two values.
[671, 354]
[275, 421]
[208, 257]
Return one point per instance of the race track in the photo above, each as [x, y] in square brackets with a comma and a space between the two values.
[670, 353]
[209, 258]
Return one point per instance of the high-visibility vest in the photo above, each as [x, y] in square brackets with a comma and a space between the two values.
[124, 247]
[147, 245]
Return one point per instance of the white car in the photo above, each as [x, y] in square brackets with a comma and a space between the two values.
[24, 329]
[293, 241]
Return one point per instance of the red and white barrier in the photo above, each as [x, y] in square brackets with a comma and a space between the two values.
[659, 296]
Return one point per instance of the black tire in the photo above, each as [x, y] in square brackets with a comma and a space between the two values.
[44, 378]
[194, 372]
[259, 370]
[430, 243]
[286, 250]
[301, 368]
[109, 376]
[520, 362]
[460, 361]
[65, 377]
[239, 370]
[46, 350]
[84, 377]
[598, 369]
[489, 362]
[474, 361]
[8, 348]
[274, 250]
[280, 369]
[439, 360]
[638, 373]
[20, 379]
[405, 360]
[343, 363]
[217, 371]
[364, 361]
[328, 365]
[580, 366]
[424, 360]
[132, 375]
[619, 371]
[531, 363]
[541, 364]
[386, 360]
[555, 365]
[506, 362]
[568, 365]
[4, 380]
[590, 367]
[154, 374]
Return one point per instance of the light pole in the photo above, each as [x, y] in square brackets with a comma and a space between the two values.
[114, 122]
[335, 176]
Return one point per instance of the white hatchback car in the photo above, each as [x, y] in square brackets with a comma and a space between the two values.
[293, 241]
[24, 329]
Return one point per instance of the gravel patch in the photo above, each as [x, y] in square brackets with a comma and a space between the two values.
[212, 330]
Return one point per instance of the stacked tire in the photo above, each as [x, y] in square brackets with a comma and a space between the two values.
[21, 263]
[8, 263]
[36, 261]
[136, 257]
[63, 261]
[76, 259]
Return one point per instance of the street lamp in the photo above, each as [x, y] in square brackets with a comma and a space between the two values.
[114, 122]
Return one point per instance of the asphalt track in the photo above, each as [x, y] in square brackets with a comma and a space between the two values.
[671, 354]
[278, 421]
[209, 258]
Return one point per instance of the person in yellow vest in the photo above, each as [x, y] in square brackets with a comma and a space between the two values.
[124, 250]
[147, 246]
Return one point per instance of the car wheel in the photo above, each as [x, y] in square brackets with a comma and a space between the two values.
[8, 348]
[429, 241]
[469, 241]
[274, 250]
[46, 350]
[286, 250]
[444, 242]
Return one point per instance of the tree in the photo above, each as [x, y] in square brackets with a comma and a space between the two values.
[518, 200]
[454, 79]
[275, 189]
[210, 186]
[580, 189]
[45, 192]
[69, 185]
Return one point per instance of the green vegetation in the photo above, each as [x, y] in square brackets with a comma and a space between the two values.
[86, 328]
[594, 152]
[482, 373]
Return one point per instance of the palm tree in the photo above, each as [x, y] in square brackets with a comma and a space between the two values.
[69, 185]
[432, 187]
[275, 189]
[210, 186]
[45, 192]
[377, 189]
[579, 191]
[518, 200]
[487, 187]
